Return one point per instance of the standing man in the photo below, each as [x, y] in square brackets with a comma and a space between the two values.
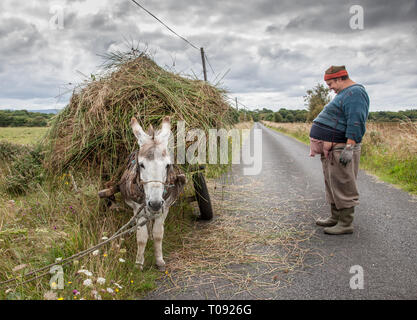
[336, 134]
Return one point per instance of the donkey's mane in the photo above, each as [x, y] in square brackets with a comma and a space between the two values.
[148, 150]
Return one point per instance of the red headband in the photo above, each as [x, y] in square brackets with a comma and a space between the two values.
[341, 73]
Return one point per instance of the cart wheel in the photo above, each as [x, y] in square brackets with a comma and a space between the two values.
[202, 196]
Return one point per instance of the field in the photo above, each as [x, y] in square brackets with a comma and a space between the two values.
[66, 216]
[22, 135]
[389, 150]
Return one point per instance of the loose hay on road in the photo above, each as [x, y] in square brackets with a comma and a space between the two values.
[244, 249]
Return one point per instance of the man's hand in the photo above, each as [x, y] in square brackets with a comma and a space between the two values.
[346, 155]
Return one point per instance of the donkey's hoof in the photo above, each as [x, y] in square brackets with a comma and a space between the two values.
[139, 266]
[160, 265]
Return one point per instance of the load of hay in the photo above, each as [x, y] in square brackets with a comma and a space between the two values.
[93, 132]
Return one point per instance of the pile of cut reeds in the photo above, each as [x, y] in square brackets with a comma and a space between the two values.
[93, 131]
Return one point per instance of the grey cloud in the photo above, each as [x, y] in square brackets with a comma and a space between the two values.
[289, 52]
[9, 25]
[383, 13]
[19, 38]
[102, 21]
[334, 17]
[70, 20]
[275, 52]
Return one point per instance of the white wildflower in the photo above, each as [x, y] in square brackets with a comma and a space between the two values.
[88, 282]
[101, 280]
[109, 290]
[96, 295]
[86, 272]
[104, 238]
[58, 259]
[121, 260]
[50, 295]
[19, 267]
[96, 252]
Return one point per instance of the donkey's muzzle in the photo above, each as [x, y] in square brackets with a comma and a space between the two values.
[155, 205]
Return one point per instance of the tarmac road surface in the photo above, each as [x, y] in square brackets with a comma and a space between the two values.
[377, 261]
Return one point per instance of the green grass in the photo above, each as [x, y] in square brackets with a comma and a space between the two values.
[401, 172]
[378, 160]
[22, 135]
[298, 134]
[52, 221]
[57, 223]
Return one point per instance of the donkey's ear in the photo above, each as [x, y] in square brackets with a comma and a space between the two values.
[150, 131]
[138, 132]
[165, 131]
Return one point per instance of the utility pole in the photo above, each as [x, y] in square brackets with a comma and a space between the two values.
[204, 64]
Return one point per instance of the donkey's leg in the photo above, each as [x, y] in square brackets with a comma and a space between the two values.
[158, 235]
[142, 239]
[141, 234]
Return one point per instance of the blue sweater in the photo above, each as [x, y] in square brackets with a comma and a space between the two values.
[347, 112]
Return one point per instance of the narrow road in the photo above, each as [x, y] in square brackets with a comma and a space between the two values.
[286, 198]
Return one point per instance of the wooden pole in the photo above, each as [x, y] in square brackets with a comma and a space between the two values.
[204, 64]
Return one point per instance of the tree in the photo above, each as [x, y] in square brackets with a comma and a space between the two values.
[283, 112]
[269, 117]
[290, 117]
[301, 116]
[278, 117]
[265, 110]
[316, 99]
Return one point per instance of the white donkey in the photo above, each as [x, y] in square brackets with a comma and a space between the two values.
[151, 179]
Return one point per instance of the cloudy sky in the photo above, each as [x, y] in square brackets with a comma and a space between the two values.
[267, 53]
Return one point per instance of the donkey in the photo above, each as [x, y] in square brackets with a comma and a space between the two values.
[151, 179]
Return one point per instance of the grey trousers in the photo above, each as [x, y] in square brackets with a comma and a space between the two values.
[340, 182]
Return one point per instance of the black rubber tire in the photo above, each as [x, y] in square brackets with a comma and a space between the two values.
[202, 196]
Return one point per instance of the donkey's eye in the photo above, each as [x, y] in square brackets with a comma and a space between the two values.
[167, 166]
[141, 165]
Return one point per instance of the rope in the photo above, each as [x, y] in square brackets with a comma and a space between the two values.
[80, 254]
[116, 235]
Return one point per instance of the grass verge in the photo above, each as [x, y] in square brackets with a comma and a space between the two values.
[63, 216]
[40, 227]
[389, 150]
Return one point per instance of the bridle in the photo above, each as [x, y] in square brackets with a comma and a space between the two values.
[166, 185]
[141, 182]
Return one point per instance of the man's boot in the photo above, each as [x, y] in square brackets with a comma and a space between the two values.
[330, 221]
[344, 225]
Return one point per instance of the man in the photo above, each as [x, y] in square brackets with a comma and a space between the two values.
[336, 134]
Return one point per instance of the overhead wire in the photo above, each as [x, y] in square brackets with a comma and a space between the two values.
[209, 63]
[150, 13]
[170, 29]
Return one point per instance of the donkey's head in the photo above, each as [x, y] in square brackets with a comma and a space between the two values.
[153, 161]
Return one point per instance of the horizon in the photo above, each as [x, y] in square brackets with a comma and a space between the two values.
[259, 110]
